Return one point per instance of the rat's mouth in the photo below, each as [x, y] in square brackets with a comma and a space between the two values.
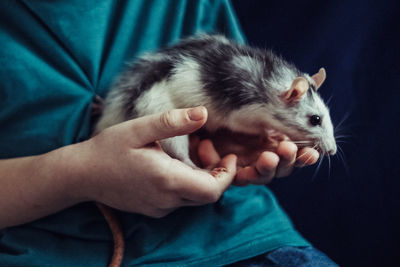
[325, 149]
[329, 149]
[275, 137]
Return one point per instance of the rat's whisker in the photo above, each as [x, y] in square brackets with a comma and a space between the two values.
[342, 136]
[303, 144]
[308, 153]
[340, 150]
[305, 141]
[345, 117]
[309, 157]
[339, 129]
[301, 156]
[343, 158]
[329, 169]
[321, 159]
[339, 154]
[329, 100]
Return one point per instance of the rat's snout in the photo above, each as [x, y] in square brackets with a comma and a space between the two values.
[331, 147]
[332, 151]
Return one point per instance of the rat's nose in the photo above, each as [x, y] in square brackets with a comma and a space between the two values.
[332, 151]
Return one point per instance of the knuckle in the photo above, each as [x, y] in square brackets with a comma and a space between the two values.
[162, 182]
[158, 213]
[268, 176]
[167, 183]
[284, 172]
[169, 119]
[211, 196]
[265, 176]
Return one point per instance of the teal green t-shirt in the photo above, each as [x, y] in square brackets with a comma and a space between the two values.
[54, 57]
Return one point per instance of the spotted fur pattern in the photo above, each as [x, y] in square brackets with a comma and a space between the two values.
[240, 86]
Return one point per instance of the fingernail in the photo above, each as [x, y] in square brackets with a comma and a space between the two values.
[218, 171]
[196, 114]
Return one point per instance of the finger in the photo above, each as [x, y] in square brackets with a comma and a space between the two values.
[266, 166]
[175, 122]
[208, 156]
[246, 175]
[226, 168]
[306, 156]
[200, 187]
[287, 152]
[261, 173]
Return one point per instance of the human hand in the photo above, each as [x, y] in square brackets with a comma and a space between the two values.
[125, 168]
[259, 159]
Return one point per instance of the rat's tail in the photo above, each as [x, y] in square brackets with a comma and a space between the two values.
[97, 109]
[117, 235]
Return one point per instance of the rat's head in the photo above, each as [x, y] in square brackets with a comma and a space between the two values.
[304, 116]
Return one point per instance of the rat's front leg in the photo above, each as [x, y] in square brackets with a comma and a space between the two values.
[178, 148]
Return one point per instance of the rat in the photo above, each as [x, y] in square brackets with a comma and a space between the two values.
[245, 90]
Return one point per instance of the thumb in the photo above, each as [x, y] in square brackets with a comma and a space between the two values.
[171, 123]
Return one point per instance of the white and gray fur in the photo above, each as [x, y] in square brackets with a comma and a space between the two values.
[240, 86]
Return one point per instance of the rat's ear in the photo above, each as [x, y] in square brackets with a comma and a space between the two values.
[319, 77]
[297, 90]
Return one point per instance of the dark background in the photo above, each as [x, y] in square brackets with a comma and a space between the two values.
[352, 215]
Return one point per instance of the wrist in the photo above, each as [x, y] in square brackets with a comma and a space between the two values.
[64, 169]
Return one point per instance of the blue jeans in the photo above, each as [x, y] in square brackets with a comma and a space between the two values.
[289, 257]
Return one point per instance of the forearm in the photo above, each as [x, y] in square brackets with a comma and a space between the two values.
[36, 186]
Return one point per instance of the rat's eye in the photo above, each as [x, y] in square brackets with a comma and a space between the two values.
[315, 120]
